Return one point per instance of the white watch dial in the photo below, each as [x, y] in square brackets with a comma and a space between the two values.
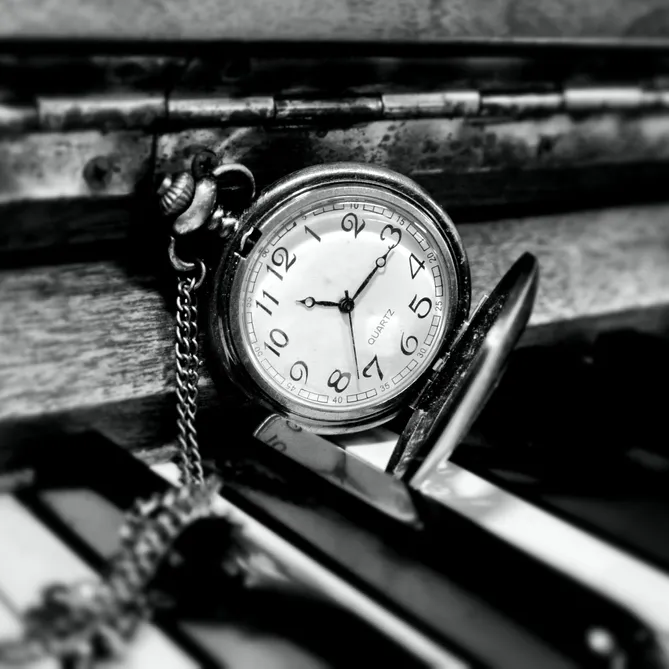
[345, 303]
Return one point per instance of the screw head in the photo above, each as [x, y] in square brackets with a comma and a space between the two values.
[203, 163]
[98, 172]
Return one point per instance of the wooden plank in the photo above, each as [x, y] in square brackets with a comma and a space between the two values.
[347, 20]
[68, 230]
[146, 425]
[84, 335]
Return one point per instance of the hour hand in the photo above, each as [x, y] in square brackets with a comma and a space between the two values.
[310, 302]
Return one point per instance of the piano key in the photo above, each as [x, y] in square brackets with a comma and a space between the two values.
[598, 564]
[9, 620]
[88, 460]
[97, 521]
[578, 429]
[32, 557]
[67, 504]
[634, 583]
[426, 571]
[10, 628]
[238, 648]
[517, 585]
[479, 613]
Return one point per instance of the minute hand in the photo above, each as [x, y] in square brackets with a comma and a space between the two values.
[378, 264]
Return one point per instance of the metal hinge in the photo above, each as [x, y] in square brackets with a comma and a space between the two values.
[151, 112]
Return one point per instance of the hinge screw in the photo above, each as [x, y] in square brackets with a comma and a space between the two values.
[98, 172]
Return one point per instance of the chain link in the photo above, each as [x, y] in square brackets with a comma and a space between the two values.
[187, 376]
[90, 621]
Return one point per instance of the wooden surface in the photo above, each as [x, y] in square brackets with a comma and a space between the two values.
[97, 339]
[86, 330]
[48, 208]
[350, 20]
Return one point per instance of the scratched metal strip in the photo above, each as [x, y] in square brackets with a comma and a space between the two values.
[77, 165]
[50, 166]
[434, 146]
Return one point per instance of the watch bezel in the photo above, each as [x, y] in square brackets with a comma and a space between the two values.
[225, 336]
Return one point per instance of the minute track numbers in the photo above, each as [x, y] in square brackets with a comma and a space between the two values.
[341, 268]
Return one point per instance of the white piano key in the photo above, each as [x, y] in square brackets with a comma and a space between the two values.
[32, 557]
[304, 569]
[10, 628]
[233, 646]
[9, 621]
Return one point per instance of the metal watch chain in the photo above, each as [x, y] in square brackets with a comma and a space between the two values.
[187, 376]
[87, 622]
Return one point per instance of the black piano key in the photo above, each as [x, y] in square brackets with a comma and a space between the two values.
[581, 431]
[602, 566]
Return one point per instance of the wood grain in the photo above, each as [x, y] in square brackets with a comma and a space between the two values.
[83, 335]
[349, 20]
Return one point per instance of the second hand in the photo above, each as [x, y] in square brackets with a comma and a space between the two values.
[350, 324]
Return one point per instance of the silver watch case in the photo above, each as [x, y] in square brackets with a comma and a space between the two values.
[262, 216]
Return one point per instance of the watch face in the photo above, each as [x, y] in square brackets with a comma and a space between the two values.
[345, 299]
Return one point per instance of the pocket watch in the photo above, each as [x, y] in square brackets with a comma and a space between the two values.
[338, 298]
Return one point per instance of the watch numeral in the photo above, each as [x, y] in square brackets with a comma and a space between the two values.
[267, 296]
[279, 339]
[374, 361]
[393, 231]
[405, 346]
[351, 222]
[420, 265]
[339, 380]
[415, 306]
[281, 257]
[276, 274]
[309, 231]
[299, 371]
[262, 306]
